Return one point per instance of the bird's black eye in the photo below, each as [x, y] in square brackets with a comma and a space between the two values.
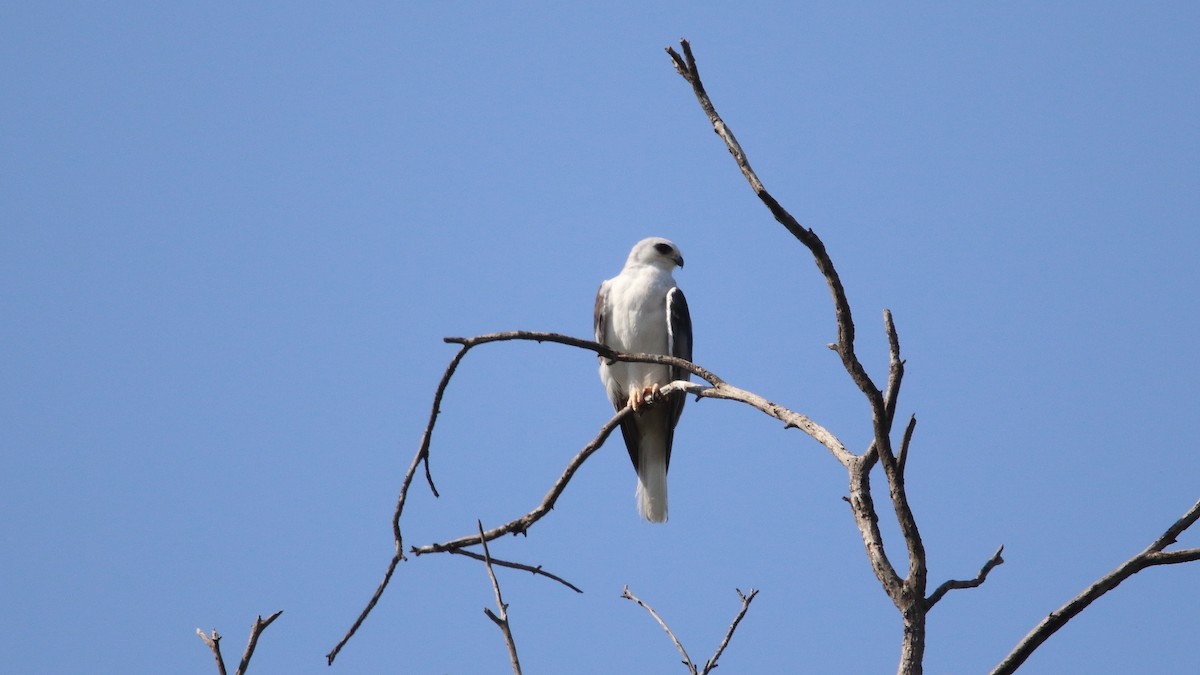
[664, 249]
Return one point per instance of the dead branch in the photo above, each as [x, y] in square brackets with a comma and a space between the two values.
[907, 593]
[533, 569]
[790, 418]
[711, 664]
[955, 584]
[746, 600]
[902, 458]
[502, 620]
[718, 389]
[687, 660]
[422, 457]
[214, 643]
[686, 66]
[1151, 556]
[522, 524]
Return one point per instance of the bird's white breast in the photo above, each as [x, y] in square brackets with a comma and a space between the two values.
[637, 322]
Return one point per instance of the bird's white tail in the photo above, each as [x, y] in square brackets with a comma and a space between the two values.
[652, 481]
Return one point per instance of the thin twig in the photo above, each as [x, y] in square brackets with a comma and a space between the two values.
[955, 584]
[896, 365]
[537, 570]
[902, 460]
[522, 524]
[687, 661]
[711, 664]
[422, 457]
[1151, 556]
[502, 620]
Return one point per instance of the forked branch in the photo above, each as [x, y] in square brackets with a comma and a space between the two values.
[907, 593]
[746, 598]
[711, 664]
[214, 643]
[501, 621]
[717, 388]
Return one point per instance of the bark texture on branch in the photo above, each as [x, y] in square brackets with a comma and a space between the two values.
[907, 592]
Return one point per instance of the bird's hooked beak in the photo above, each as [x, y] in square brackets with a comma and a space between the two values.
[678, 260]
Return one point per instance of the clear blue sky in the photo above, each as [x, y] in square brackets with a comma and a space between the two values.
[232, 237]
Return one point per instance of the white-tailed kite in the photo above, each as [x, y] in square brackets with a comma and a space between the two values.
[641, 310]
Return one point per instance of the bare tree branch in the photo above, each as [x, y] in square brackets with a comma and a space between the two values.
[711, 664]
[954, 584]
[790, 418]
[214, 643]
[422, 457]
[1173, 557]
[722, 390]
[914, 584]
[522, 524]
[746, 600]
[259, 626]
[1151, 556]
[908, 594]
[599, 349]
[686, 67]
[718, 389]
[902, 460]
[687, 660]
[536, 570]
[502, 620]
[896, 365]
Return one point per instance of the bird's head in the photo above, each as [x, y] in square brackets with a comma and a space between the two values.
[657, 252]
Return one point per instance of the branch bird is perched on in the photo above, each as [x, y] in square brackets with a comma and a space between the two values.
[642, 310]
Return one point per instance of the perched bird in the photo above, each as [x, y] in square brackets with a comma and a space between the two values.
[642, 310]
